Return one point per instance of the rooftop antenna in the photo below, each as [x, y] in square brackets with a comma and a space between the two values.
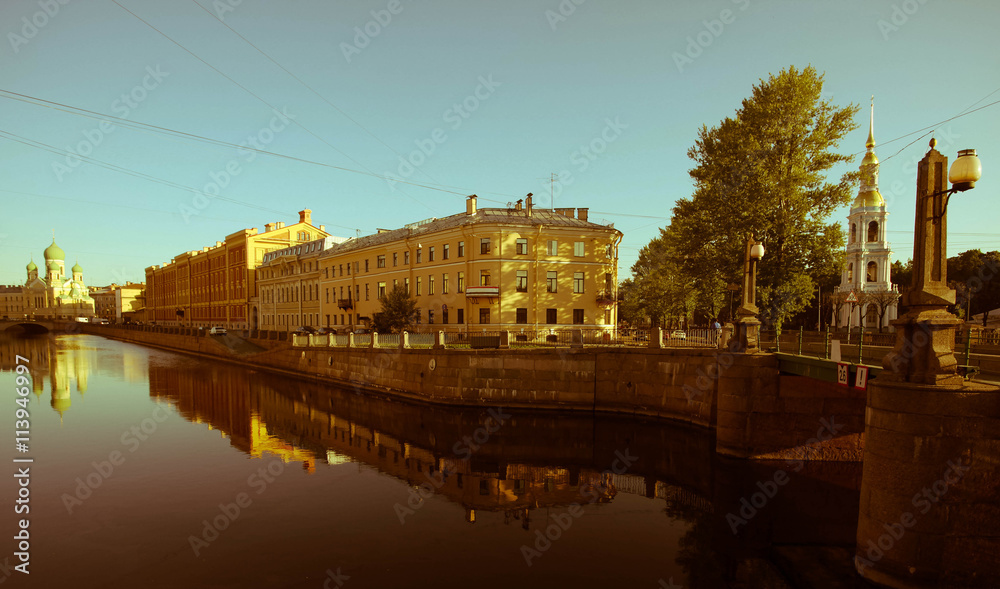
[552, 183]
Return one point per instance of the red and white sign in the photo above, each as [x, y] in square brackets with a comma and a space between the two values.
[851, 298]
[861, 378]
[843, 373]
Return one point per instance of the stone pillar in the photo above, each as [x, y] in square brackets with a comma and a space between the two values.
[656, 338]
[373, 344]
[577, 338]
[439, 340]
[350, 340]
[504, 340]
[404, 340]
[726, 336]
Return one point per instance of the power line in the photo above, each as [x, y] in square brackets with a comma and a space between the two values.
[248, 91]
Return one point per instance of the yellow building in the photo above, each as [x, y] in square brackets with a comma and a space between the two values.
[215, 285]
[12, 302]
[55, 294]
[115, 301]
[288, 285]
[496, 268]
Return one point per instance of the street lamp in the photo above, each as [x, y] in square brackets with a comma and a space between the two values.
[747, 325]
[925, 336]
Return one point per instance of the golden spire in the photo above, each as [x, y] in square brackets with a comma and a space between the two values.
[871, 126]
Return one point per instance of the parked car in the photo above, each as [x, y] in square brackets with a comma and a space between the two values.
[217, 330]
[304, 330]
[678, 334]
[325, 330]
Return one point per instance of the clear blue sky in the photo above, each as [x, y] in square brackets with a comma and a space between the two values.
[605, 74]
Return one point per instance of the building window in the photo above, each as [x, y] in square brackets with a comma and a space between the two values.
[850, 272]
[578, 282]
[521, 247]
[366, 264]
[444, 314]
[447, 251]
[367, 291]
[380, 261]
[551, 316]
[461, 249]
[420, 254]
[873, 231]
[418, 285]
[395, 259]
[430, 316]
[348, 268]
[444, 285]
[553, 249]
[381, 290]
[461, 283]
[484, 278]
[578, 316]
[854, 232]
[578, 249]
[406, 258]
[484, 245]
[461, 316]
[430, 258]
[550, 281]
[872, 271]
[522, 281]
[430, 285]
[484, 315]
[521, 315]
[406, 286]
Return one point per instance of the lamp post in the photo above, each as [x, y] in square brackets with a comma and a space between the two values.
[747, 326]
[925, 336]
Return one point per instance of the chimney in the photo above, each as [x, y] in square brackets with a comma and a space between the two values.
[279, 225]
[322, 228]
[565, 212]
[582, 214]
[305, 216]
[528, 205]
[268, 227]
[470, 205]
[517, 205]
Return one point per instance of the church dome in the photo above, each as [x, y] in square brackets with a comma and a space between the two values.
[54, 252]
[869, 159]
[32, 266]
[868, 198]
[53, 266]
[76, 268]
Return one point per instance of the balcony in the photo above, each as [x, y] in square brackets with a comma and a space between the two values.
[345, 303]
[474, 293]
[605, 299]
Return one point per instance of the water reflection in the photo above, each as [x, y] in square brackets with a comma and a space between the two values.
[532, 467]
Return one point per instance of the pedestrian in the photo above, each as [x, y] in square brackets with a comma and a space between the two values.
[718, 330]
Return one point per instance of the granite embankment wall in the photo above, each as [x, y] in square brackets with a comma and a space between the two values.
[756, 412]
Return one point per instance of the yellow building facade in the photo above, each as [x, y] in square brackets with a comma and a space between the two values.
[217, 284]
[493, 268]
[288, 286]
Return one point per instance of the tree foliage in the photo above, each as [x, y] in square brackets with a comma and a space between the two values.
[399, 311]
[762, 171]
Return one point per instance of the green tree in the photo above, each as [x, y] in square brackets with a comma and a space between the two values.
[764, 171]
[399, 311]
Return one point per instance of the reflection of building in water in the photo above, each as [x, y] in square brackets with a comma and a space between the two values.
[45, 361]
[223, 401]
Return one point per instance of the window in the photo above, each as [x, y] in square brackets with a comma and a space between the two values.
[551, 316]
[406, 285]
[444, 285]
[380, 261]
[522, 281]
[342, 269]
[484, 278]
[578, 282]
[328, 295]
[854, 232]
[578, 316]
[484, 245]
[418, 285]
[366, 264]
[850, 272]
[521, 247]
[395, 259]
[430, 285]
[444, 314]
[420, 254]
[578, 249]
[447, 252]
[367, 291]
[430, 316]
[430, 257]
[484, 315]
[873, 231]
[381, 290]
[553, 249]
[872, 271]
[461, 316]
[348, 268]
[461, 283]
[521, 315]
[550, 281]
[461, 250]
[406, 257]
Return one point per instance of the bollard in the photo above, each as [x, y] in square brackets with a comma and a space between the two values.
[350, 340]
[404, 340]
[372, 343]
[439, 340]
[800, 340]
[656, 338]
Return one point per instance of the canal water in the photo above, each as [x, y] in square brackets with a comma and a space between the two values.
[154, 469]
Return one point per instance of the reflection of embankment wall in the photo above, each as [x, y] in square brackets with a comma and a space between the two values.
[756, 412]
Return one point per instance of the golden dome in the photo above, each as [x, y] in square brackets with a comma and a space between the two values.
[869, 159]
[868, 198]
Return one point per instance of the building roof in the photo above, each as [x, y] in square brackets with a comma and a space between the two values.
[512, 217]
[54, 252]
